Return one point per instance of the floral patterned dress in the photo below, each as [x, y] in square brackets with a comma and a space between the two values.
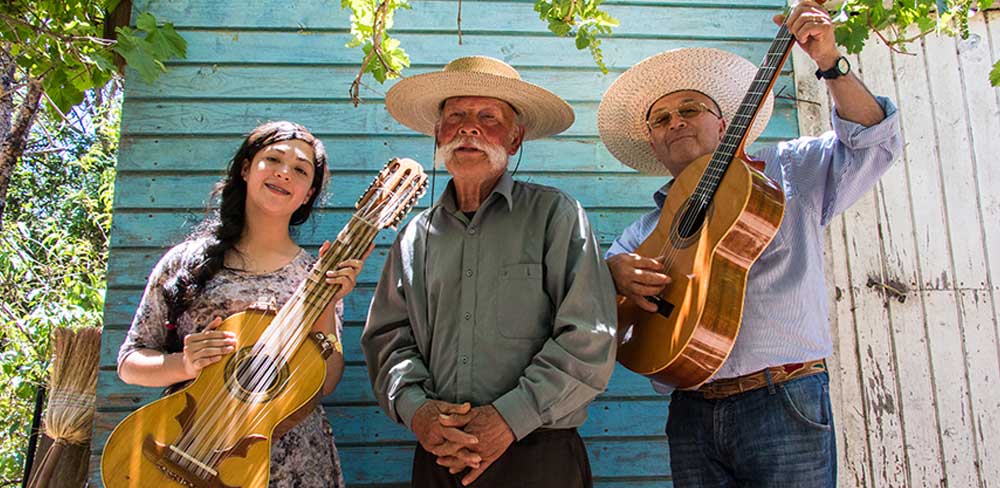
[305, 456]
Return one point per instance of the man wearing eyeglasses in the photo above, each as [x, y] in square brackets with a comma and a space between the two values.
[764, 418]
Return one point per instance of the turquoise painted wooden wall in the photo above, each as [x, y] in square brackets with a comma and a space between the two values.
[249, 62]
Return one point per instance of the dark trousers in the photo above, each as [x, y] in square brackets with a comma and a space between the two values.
[543, 459]
[775, 437]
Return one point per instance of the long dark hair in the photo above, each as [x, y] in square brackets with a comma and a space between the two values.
[224, 227]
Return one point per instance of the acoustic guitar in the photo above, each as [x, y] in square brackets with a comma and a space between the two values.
[217, 431]
[719, 215]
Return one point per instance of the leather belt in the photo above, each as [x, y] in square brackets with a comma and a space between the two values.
[741, 384]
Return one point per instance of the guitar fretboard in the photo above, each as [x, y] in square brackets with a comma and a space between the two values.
[736, 132]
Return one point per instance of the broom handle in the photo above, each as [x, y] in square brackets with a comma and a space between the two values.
[48, 465]
[36, 420]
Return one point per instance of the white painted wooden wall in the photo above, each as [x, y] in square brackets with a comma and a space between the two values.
[916, 383]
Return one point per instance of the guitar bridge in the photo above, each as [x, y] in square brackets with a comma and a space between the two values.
[663, 307]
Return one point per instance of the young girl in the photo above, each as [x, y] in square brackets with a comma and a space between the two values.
[243, 256]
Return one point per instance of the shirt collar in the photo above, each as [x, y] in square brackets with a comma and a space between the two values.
[660, 196]
[504, 187]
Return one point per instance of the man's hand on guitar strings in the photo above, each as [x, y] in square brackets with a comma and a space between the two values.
[637, 277]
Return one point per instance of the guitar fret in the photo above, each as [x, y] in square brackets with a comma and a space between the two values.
[744, 116]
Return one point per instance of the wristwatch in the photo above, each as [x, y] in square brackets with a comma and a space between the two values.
[840, 68]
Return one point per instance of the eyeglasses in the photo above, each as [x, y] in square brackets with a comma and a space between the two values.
[685, 111]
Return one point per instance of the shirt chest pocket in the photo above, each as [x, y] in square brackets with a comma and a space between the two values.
[524, 310]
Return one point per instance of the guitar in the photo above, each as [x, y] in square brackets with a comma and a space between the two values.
[710, 244]
[217, 431]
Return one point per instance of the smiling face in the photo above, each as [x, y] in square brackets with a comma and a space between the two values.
[279, 178]
[680, 141]
[476, 136]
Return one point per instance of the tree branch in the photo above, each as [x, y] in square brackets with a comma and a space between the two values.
[378, 30]
[13, 145]
[569, 15]
[459, 22]
[68, 39]
[887, 43]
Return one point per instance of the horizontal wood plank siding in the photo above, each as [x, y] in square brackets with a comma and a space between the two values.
[270, 60]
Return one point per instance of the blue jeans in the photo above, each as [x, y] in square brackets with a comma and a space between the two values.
[777, 436]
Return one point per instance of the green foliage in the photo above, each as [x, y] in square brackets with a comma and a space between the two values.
[858, 19]
[370, 22]
[61, 43]
[53, 255]
[145, 48]
[585, 16]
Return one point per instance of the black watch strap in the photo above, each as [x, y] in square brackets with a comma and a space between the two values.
[840, 68]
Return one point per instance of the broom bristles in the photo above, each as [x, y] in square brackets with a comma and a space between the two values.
[73, 384]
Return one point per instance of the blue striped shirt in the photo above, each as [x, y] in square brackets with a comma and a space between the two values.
[785, 309]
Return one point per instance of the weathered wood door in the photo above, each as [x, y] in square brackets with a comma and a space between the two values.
[912, 271]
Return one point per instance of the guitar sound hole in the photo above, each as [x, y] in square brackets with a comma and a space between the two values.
[255, 377]
[687, 223]
[257, 374]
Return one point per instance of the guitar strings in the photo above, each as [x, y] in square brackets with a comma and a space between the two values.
[263, 370]
[259, 365]
[739, 124]
[323, 295]
[273, 348]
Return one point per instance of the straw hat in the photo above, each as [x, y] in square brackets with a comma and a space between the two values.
[621, 117]
[416, 101]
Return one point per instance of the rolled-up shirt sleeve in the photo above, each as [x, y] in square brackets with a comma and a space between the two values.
[576, 361]
[834, 170]
[396, 368]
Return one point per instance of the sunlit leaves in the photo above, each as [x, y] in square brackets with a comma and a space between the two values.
[61, 43]
[581, 19]
[149, 45]
[53, 254]
[370, 22]
[858, 19]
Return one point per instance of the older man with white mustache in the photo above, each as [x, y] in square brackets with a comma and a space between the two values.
[492, 327]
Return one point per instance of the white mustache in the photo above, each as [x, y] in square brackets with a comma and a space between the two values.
[495, 153]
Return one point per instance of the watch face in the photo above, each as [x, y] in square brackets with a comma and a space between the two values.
[843, 66]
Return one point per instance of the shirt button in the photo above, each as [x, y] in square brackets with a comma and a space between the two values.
[472, 231]
[468, 272]
[465, 359]
[468, 315]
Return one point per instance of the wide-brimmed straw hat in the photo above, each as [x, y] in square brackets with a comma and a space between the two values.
[621, 117]
[416, 101]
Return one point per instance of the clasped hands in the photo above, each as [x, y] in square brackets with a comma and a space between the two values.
[462, 436]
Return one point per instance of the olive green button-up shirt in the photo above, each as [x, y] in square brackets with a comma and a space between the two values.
[514, 307]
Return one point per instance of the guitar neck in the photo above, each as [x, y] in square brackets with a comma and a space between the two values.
[732, 144]
[297, 316]
[384, 204]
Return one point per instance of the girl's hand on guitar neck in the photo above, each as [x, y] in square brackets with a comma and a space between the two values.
[346, 274]
[637, 277]
[206, 347]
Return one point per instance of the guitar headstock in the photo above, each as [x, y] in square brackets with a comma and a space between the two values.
[393, 193]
